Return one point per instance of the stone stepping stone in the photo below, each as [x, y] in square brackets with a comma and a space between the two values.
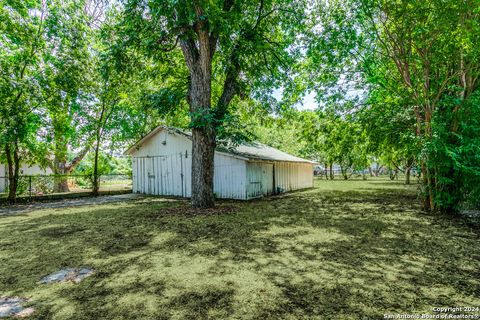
[68, 274]
[12, 307]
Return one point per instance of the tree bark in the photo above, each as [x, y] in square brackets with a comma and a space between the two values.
[60, 179]
[407, 175]
[199, 63]
[332, 176]
[203, 150]
[96, 182]
[198, 46]
[13, 163]
[102, 119]
[344, 172]
[61, 169]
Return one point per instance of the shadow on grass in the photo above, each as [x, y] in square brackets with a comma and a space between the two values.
[321, 253]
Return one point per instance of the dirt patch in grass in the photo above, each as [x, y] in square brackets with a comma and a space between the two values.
[186, 210]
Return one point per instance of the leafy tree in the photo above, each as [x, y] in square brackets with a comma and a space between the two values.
[336, 139]
[424, 55]
[416, 38]
[21, 26]
[228, 48]
[65, 85]
[391, 132]
[281, 133]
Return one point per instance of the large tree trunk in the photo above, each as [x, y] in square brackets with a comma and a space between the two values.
[60, 179]
[203, 132]
[61, 168]
[203, 167]
[198, 51]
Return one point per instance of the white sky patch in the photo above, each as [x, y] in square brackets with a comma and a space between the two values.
[308, 102]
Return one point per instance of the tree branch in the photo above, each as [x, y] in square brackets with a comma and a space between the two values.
[69, 168]
[230, 85]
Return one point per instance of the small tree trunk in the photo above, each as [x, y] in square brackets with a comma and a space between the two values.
[60, 156]
[13, 172]
[344, 172]
[391, 174]
[370, 171]
[428, 203]
[325, 170]
[96, 182]
[407, 175]
[332, 176]
[377, 170]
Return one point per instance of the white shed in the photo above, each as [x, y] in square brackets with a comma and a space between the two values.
[25, 170]
[162, 166]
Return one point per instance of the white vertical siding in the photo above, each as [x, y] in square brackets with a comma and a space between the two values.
[229, 177]
[163, 166]
[259, 179]
[3, 178]
[291, 176]
[28, 170]
[160, 166]
[161, 175]
[163, 144]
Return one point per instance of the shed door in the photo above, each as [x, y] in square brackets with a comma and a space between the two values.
[162, 175]
[144, 175]
[150, 171]
[267, 173]
[260, 179]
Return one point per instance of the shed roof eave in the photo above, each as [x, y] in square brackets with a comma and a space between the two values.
[246, 155]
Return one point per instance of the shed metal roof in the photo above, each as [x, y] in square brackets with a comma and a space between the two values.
[248, 150]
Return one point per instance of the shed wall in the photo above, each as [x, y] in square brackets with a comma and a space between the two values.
[25, 170]
[3, 178]
[163, 166]
[291, 176]
[259, 179]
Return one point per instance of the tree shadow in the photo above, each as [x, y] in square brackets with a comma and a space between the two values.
[317, 253]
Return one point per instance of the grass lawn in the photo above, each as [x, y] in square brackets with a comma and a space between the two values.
[344, 250]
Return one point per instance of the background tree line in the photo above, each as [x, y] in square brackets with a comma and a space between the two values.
[396, 84]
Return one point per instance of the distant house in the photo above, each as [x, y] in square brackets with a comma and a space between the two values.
[162, 166]
[28, 170]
